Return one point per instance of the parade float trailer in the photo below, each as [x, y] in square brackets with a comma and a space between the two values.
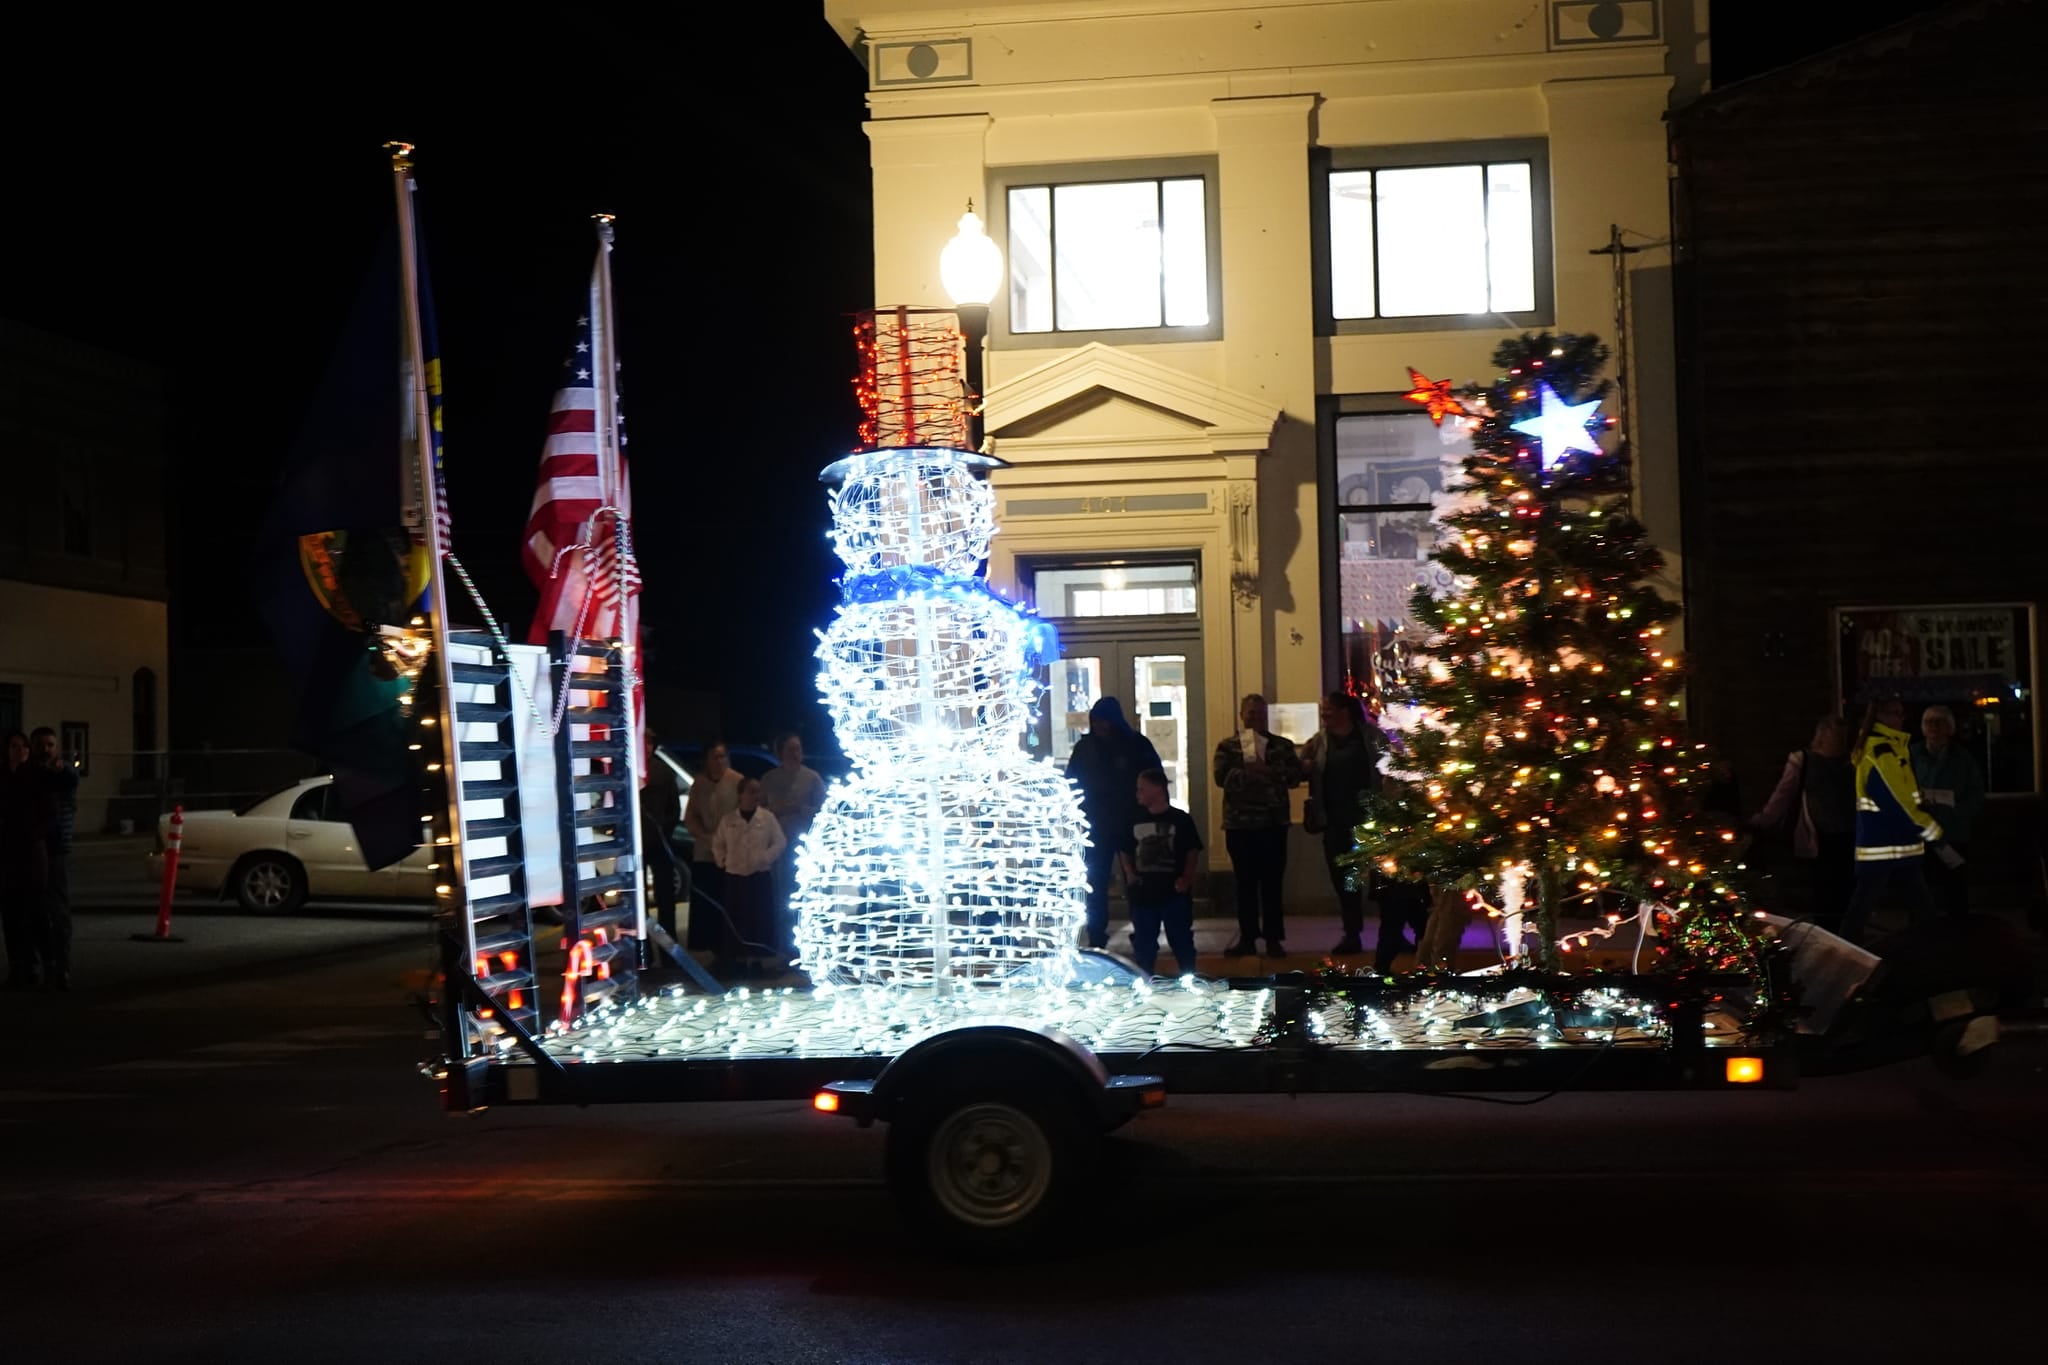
[940, 893]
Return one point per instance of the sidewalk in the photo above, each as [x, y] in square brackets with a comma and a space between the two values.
[114, 888]
[115, 869]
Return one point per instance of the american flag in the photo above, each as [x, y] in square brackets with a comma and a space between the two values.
[579, 550]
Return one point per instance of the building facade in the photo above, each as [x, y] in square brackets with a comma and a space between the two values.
[1230, 228]
[82, 581]
[1856, 259]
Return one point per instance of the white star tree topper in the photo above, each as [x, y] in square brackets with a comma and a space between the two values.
[1560, 428]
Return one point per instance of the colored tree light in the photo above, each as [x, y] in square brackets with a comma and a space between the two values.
[1542, 765]
[952, 857]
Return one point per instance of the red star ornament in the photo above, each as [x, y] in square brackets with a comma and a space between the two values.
[1435, 395]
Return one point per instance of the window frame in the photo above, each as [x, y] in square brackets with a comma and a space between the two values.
[1028, 566]
[1415, 156]
[1002, 180]
[1073, 592]
[1847, 624]
[74, 513]
[323, 795]
[1330, 513]
[74, 745]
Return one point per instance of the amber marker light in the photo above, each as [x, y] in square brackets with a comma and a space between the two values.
[1745, 1070]
[825, 1102]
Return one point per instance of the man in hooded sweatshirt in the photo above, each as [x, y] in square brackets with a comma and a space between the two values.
[1105, 765]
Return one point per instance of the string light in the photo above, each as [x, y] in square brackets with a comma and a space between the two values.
[910, 379]
[1110, 1017]
[951, 859]
[1541, 709]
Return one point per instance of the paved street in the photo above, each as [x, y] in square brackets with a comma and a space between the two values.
[232, 1161]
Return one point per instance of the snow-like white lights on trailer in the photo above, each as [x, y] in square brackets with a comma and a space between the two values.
[1108, 1017]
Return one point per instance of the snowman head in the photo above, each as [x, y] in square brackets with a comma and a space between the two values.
[915, 506]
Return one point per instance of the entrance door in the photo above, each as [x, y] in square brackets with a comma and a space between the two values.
[1153, 667]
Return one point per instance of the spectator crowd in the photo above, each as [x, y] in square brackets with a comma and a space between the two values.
[1864, 812]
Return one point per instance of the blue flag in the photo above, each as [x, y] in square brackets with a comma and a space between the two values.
[335, 561]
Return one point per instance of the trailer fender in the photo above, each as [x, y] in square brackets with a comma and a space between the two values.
[1003, 1055]
[987, 1052]
[994, 1130]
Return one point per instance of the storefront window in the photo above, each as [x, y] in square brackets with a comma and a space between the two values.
[1390, 471]
[1976, 660]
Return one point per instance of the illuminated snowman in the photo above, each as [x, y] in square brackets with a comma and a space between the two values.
[952, 857]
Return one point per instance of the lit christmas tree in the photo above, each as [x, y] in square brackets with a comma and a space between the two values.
[1546, 769]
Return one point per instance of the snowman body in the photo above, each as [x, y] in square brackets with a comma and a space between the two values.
[952, 857]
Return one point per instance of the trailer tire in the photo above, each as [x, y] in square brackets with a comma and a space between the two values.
[991, 1168]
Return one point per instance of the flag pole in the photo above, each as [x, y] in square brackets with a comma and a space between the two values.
[611, 476]
[424, 505]
[606, 363]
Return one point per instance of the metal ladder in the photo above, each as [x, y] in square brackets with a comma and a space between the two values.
[499, 920]
[598, 798]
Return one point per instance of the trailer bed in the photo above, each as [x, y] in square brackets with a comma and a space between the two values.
[1243, 1036]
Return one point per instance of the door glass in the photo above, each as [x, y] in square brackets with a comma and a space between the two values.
[1072, 687]
[1160, 699]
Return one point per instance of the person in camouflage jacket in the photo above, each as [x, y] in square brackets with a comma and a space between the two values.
[1255, 768]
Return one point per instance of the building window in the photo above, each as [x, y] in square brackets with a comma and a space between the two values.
[1124, 250]
[1975, 659]
[74, 737]
[1117, 590]
[75, 522]
[1435, 237]
[1385, 473]
[142, 724]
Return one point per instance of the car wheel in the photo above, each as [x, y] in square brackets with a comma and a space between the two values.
[269, 884]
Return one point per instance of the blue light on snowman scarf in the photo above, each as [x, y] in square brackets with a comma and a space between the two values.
[1041, 640]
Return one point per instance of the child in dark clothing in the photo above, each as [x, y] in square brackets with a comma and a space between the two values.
[1161, 846]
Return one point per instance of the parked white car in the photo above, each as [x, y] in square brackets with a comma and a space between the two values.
[284, 851]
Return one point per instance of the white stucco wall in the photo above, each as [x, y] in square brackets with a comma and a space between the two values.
[74, 656]
[1259, 86]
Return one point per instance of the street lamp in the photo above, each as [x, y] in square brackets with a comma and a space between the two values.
[971, 268]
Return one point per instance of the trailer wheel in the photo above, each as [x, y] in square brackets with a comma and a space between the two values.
[990, 1168]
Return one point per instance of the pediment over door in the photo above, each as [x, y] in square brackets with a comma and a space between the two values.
[1112, 404]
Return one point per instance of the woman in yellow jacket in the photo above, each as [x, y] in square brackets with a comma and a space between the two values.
[1892, 830]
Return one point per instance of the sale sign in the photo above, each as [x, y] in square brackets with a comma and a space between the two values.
[1932, 653]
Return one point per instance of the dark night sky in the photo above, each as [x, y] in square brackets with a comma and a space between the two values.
[210, 199]
[216, 213]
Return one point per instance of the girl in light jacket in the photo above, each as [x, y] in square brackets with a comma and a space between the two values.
[746, 846]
